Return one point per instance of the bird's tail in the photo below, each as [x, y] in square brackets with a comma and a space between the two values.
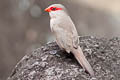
[82, 60]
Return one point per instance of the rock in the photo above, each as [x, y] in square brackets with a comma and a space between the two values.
[51, 63]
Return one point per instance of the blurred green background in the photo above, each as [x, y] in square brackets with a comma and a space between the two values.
[24, 25]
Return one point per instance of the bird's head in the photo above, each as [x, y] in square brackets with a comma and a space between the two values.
[56, 10]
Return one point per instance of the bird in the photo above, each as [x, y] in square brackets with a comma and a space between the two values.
[66, 34]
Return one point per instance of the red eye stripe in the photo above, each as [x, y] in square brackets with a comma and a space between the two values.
[55, 8]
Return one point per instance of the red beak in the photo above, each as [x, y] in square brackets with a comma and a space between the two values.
[47, 10]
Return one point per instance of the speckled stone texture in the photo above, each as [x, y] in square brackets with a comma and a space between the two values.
[51, 63]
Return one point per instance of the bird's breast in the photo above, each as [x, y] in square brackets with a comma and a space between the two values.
[54, 24]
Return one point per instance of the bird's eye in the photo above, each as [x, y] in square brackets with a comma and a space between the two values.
[53, 8]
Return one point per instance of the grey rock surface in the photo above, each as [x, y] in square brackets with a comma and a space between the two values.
[51, 63]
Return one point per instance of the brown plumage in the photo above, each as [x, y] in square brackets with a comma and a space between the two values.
[66, 34]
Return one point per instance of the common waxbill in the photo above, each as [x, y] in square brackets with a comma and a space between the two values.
[66, 34]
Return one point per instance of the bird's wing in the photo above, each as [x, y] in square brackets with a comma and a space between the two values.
[71, 32]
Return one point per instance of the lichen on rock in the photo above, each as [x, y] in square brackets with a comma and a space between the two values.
[51, 63]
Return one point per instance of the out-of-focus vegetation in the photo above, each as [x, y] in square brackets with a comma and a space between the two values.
[24, 24]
